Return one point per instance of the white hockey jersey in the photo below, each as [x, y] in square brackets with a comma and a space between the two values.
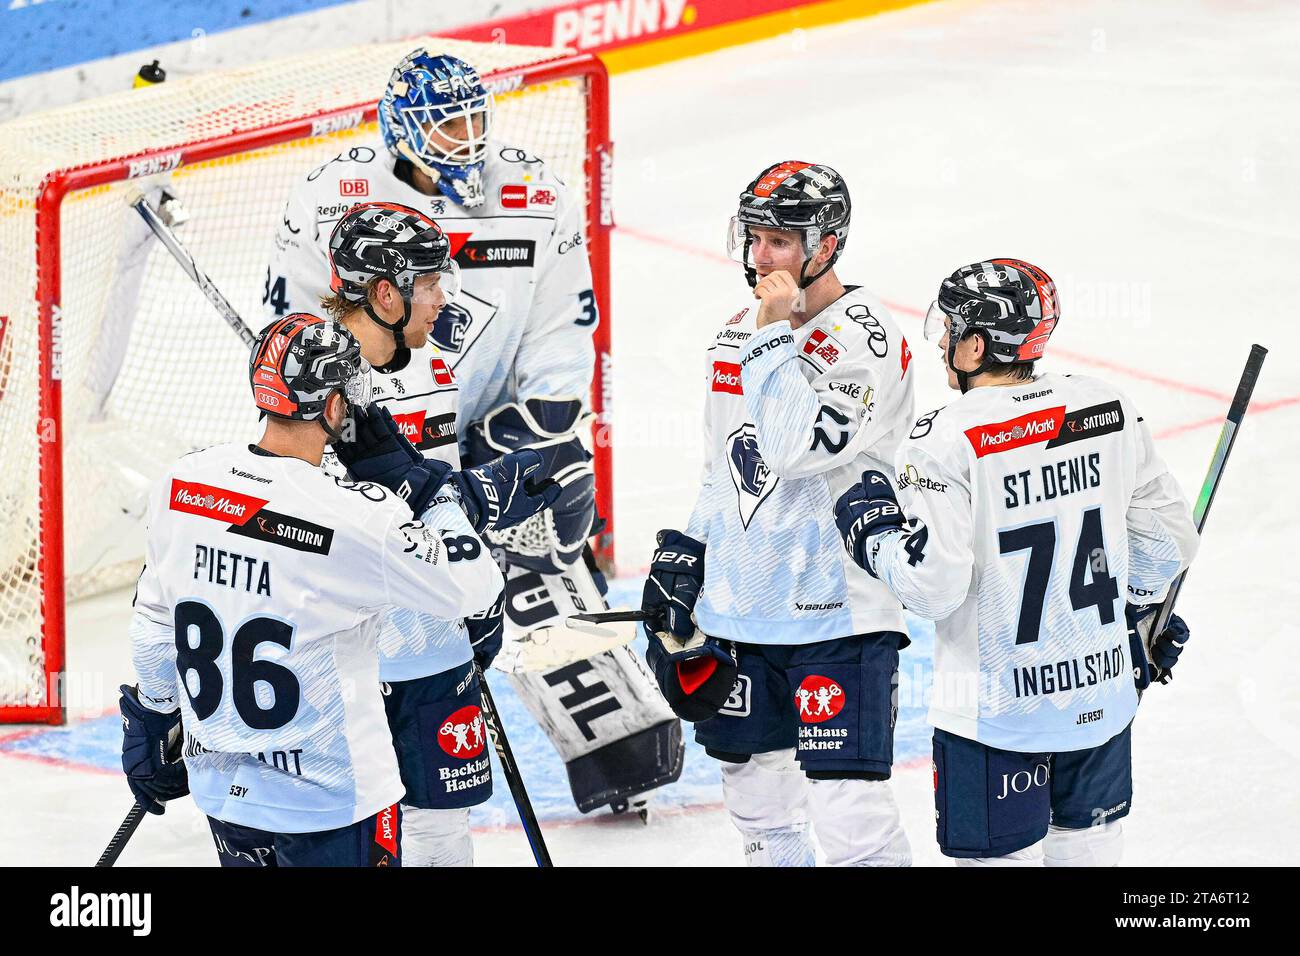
[422, 398]
[792, 418]
[521, 326]
[257, 613]
[1038, 507]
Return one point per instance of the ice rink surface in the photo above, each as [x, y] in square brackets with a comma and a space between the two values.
[1146, 155]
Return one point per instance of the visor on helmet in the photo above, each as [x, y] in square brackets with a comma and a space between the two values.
[738, 240]
[356, 388]
[936, 322]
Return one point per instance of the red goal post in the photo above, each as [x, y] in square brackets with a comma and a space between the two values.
[79, 437]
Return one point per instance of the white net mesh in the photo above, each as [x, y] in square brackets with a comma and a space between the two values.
[148, 368]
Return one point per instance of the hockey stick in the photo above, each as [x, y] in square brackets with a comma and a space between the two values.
[123, 834]
[173, 245]
[182, 255]
[1222, 449]
[516, 783]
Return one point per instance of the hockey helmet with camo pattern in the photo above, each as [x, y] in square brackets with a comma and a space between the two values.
[1012, 304]
[381, 240]
[809, 198]
[299, 361]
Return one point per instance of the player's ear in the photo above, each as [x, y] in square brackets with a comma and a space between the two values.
[336, 410]
[827, 247]
[381, 294]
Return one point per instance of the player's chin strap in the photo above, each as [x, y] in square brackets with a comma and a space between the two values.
[805, 280]
[963, 378]
[336, 434]
[402, 356]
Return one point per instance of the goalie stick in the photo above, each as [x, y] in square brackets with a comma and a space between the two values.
[1222, 449]
[172, 243]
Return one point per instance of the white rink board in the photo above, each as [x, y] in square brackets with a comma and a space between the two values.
[1145, 155]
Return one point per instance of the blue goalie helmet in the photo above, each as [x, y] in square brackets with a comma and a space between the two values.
[437, 114]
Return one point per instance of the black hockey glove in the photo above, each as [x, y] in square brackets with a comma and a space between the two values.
[695, 676]
[1153, 658]
[378, 451]
[673, 586]
[485, 632]
[151, 752]
[504, 492]
[868, 508]
[695, 672]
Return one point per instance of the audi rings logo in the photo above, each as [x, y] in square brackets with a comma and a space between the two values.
[877, 341]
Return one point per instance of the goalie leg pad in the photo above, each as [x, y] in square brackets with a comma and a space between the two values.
[603, 714]
[766, 796]
[441, 739]
[609, 724]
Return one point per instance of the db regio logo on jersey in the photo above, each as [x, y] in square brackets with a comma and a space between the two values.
[818, 698]
[464, 733]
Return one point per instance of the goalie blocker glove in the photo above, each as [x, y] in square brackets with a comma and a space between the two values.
[1153, 659]
[867, 509]
[695, 672]
[151, 752]
[554, 539]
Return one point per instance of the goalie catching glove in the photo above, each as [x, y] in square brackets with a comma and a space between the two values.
[497, 494]
[695, 672]
[554, 539]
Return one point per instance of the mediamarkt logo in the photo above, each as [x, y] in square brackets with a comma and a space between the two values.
[1028, 429]
[208, 501]
[726, 378]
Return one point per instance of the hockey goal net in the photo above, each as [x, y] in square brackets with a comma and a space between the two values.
[112, 362]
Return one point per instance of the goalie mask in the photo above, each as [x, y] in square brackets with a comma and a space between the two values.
[1009, 303]
[436, 114]
[809, 199]
[381, 240]
[299, 361]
